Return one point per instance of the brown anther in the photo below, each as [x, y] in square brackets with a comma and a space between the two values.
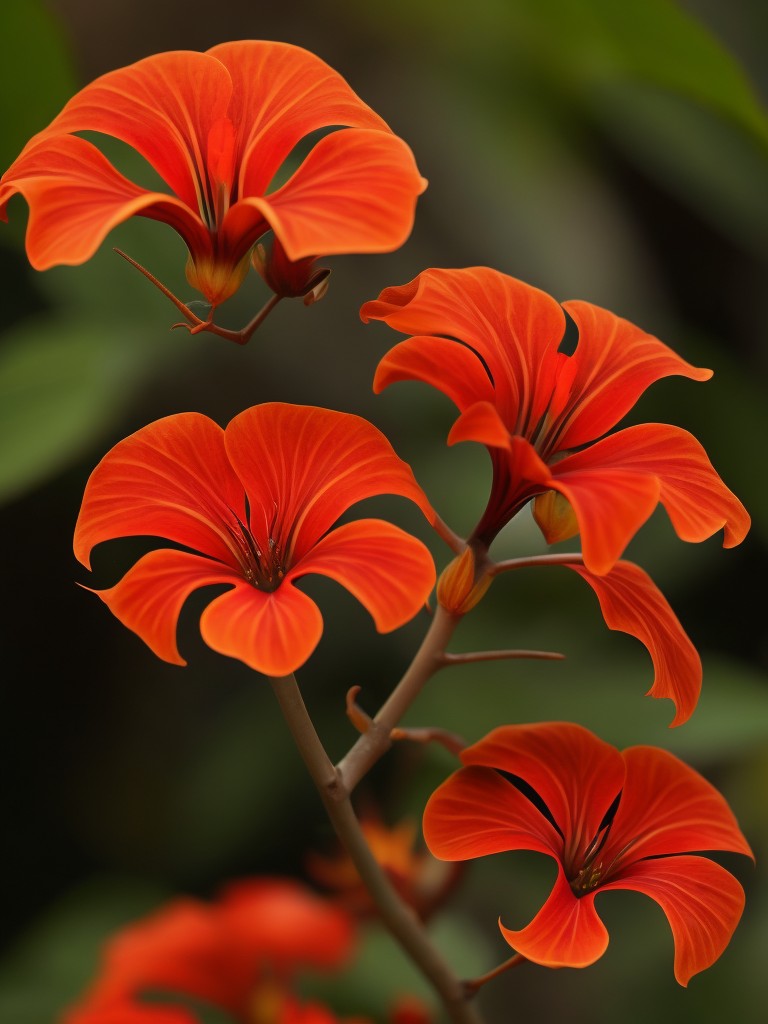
[361, 721]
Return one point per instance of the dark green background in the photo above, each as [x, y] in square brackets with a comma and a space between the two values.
[614, 152]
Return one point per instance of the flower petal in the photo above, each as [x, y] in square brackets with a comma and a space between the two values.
[170, 479]
[447, 365]
[566, 932]
[616, 362]
[164, 106]
[303, 466]
[514, 327]
[272, 633]
[149, 598]
[697, 500]
[76, 197]
[667, 807]
[355, 192]
[703, 903]
[129, 1011]
[577, 775]
[632, 603]
[280, 93]
[390, 572]
[287, 925]
[482, 423]
[476, 812]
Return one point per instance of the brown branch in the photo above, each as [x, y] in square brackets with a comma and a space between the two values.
[473, 656]
[431, 734]
[575, 558]
[397, 915]
[377, 740]
[471, 988]
[199, 326]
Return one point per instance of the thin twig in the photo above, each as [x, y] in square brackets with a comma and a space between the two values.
[473, 656]
[373, 743]
[574, 558]
[473, 987]
[396, 914]
[431, 734]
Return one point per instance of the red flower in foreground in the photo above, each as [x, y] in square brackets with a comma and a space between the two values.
[240, 954]
[421, 880]
[615, 821]
[217, 126]
[258, 500]
[490, 343]
[532, 405]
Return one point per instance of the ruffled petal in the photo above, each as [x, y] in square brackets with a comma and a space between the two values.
[272, 633]
[284, 924]
[514, 327]
[610, 506]
[149, 598]
[577, 775]
[303, 466]
[667, 807]
[280, 93]
[170, 479]
[476, 812]
[447, 365]
[698, 502]
[566, 932]
[355, 192]
[616, 362]
[703, 903]
[76, 197]
[390, 572]
[632, 603]
[164, 106]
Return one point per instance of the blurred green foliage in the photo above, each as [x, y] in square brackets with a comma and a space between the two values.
[611, 151]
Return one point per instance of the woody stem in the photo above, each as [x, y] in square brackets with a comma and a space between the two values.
[377, 740]
[473, 987]
[397, 915]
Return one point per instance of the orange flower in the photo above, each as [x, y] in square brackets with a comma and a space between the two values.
[490, 343]
[240, 954]
[422, 881]
[611, 821]
[257, 500]
[217, 126]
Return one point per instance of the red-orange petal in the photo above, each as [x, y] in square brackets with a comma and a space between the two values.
[272, 633]
[566, 932]
[476, 812]
[284, 924]
[447, 365]
[149, 598]
[616, 362]
[355, 192]
[515, 327]
[577, 775]
[303, 467]
[696, 499]
[390, 572]
[76, 197]
[481, 422]
[164, 106]
[170, 479]
[281, 93]
[632, 603]
[666, 807]
[703, 903]
[129, 1011]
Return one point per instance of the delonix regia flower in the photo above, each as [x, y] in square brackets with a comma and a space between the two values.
[491, 344]
[217, 126]
[611, 820]
[258, 501]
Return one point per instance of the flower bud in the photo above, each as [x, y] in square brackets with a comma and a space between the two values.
[289, 279]
[457, 590]
[555, 517]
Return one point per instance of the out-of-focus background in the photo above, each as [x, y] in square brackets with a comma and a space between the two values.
[614, 152]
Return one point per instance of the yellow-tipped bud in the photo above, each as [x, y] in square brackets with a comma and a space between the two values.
[555, 517]
[457, 590]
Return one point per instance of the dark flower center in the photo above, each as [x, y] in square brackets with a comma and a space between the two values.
[264, 569]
